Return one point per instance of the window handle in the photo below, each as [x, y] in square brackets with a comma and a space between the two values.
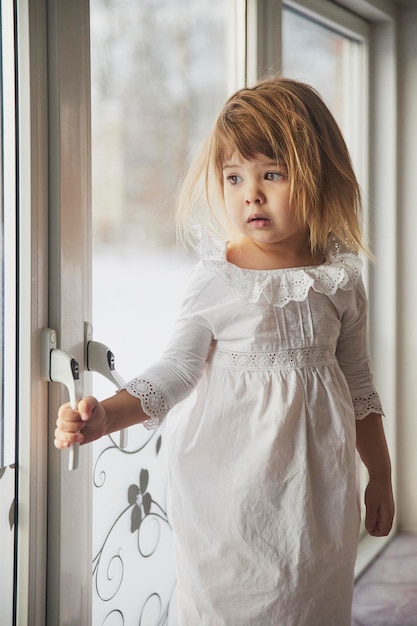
[100, 359]
[60, 367]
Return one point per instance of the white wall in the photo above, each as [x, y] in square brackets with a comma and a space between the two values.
[407, 270]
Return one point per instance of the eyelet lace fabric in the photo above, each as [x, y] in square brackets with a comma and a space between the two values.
[341, 270]
[152, 400]
[296, 358]
[286, 358]
[365, 405]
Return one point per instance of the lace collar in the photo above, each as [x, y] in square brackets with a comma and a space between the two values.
[341, 270]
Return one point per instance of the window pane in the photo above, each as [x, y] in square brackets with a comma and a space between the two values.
[159, 72]
[156, 86]
[336, 65]
[326, 59]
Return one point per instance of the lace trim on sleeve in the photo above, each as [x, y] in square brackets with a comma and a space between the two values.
[152, 400]
[364, 405]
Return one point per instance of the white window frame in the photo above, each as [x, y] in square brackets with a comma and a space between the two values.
[53, 564]
[31, 461]
[8, 408]
[383, 158]
[260, 47]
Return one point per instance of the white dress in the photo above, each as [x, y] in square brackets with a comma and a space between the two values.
[268, 370]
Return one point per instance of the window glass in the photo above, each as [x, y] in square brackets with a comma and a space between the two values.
[159, 71]
[334, 63]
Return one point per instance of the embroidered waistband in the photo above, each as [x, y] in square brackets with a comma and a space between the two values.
[290, 357]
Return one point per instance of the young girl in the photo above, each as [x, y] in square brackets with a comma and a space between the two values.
[267, 370]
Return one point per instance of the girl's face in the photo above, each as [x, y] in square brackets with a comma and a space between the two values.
[257, 198]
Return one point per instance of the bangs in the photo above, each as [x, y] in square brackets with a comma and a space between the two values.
[242, 131]
[234, 140]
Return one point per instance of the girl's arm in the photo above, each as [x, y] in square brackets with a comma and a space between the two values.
[94, 419]
[160, 387]
[373, 450]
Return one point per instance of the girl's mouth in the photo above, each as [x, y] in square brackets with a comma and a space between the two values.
[258, 221]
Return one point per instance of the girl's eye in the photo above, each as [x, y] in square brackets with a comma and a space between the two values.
[234, 179]
[273, 176]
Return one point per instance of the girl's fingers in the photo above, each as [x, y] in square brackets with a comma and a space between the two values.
[86, 406]
[68, 419]
[64, 439]
[69, 423]
[66, 414]
[378, 523]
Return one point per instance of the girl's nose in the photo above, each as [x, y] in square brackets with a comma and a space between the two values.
[254, 195]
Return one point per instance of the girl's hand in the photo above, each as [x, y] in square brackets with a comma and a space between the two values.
[379, 504]
[86, 424]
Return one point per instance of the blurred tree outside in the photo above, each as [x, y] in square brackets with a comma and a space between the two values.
[158, 79]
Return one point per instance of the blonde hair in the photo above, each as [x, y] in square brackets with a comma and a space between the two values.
[287, 121]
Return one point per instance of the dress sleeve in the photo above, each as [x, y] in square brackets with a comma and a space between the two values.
[173, 377]
[353, 356]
